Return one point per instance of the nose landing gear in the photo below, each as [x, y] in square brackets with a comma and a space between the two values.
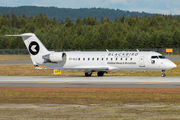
[163, 73]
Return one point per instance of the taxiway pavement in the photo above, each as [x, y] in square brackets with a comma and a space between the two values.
[105, 81]
[16, 62]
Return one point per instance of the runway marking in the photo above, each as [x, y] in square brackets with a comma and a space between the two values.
[152, 82]
[57, 82]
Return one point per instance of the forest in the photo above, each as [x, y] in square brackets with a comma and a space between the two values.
[73, 14]
[88, 33]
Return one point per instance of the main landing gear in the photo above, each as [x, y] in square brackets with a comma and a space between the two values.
[88, 74]
[100, 73]
[163, 73]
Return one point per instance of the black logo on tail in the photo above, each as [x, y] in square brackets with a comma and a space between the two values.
[34, 48]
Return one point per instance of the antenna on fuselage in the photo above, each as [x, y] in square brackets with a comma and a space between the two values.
[137, 50]
[107, 50]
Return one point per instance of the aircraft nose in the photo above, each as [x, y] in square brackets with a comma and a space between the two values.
[174, 65]
[171, 65]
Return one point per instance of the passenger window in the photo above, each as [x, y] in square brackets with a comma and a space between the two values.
[111, 59]
[78, 58]
[92, 58]
[121, 58]
[102, 58]
[83, 58]
[97, 58]
[116, 59]
[88, 58]
[131, 59]
[106, 58]
[126, 58]
[154, 57]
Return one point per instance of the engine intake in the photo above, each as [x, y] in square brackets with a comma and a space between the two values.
[55, 57]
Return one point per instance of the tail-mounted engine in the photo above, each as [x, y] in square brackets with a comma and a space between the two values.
[55, 57]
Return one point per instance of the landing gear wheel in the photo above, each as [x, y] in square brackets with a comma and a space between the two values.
[88, 74]
[100, 73]
[163, 73]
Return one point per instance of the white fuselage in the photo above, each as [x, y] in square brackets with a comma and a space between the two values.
[115, 61]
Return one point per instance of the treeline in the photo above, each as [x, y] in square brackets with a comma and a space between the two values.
[73, 14]
[87, 33]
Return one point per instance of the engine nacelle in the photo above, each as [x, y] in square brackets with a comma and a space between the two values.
[55, 57]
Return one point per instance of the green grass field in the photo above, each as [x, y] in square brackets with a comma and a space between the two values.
[86, 96]
[90, 103]
[14, 57]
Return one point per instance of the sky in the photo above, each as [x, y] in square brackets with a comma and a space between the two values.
[150, 6]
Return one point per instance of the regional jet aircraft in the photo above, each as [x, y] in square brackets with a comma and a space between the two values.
[100, 62]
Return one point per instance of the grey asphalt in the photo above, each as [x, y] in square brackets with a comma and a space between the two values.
[16, 62]
[173, 58]
[105, 81]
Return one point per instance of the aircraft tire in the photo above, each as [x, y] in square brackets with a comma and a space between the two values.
[100, 73]
[163, 74]
[88, 74]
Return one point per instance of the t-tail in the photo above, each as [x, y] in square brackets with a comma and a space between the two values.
[35, 47]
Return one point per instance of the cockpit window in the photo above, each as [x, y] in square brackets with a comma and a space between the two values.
[162, 57]
[154, 57]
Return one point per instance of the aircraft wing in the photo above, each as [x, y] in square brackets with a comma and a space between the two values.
[87, 68]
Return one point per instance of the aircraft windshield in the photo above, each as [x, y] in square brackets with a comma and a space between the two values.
[162, 57]
[154, 57]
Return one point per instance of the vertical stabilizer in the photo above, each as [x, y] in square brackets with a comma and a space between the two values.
[35, 47]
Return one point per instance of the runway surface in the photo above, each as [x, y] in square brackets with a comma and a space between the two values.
[106, 81]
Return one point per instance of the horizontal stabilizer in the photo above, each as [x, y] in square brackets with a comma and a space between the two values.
[22, 35]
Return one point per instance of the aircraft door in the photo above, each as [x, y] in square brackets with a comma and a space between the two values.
[141, 61]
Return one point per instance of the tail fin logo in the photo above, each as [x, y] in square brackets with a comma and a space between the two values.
[34, 48]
